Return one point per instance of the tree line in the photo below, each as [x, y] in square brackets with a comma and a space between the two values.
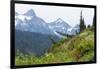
[82, 24]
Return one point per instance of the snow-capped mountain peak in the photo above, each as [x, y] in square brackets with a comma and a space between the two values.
[30, 13]
[59, 20]
[59, 25]
[30, 22]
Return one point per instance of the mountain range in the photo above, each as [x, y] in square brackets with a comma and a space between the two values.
[33, 34]
[29, 21]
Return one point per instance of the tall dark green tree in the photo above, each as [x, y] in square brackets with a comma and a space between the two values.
[88, 26]
[82, 23]
[84, 26]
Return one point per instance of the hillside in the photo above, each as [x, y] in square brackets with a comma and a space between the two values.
[71, 49]
[32, 42]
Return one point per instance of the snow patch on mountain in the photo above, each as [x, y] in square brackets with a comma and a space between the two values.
[23, 17]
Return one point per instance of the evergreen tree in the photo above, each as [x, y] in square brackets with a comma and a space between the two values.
[82, 24]
[89, 26]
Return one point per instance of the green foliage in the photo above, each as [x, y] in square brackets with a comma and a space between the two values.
[77, 49]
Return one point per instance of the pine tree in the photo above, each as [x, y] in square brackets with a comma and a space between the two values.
[89, 26]
[82, 24]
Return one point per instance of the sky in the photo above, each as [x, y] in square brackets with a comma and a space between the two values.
[70, 15]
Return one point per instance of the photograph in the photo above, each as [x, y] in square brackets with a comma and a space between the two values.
[50, 34]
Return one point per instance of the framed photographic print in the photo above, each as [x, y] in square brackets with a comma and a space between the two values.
[50, 34]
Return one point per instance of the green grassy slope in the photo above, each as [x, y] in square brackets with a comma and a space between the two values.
[76, 49]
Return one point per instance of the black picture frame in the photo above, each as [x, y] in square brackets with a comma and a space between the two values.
[12, 38]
